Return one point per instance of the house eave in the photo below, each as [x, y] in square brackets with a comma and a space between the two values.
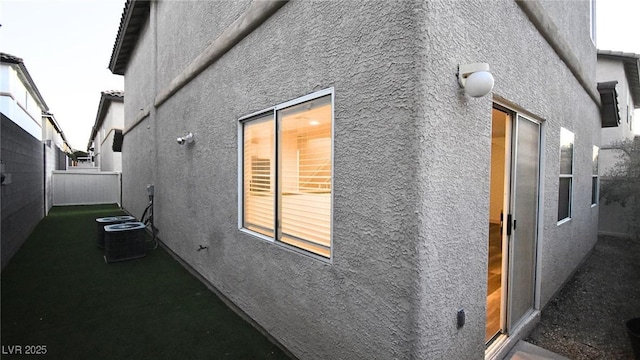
[631, 64]
[106, 98]
[134, 16]
[24, 75]
[55, 124]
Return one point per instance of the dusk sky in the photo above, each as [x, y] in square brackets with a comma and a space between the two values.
[66, 46]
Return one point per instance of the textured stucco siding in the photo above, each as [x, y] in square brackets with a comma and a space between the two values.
[23, 198]
[361, 305]
[138, 147]
[114, 119]
[138, 163]
[454, 139]
[455, 142]
[574, 23]
[411, 166]
[540, 83]
[106, 153]
[185, 29]
[140, 89]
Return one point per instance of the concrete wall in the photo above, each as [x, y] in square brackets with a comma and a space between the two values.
[22, 199]
[61, 160]
[49, 167]
[411, 170]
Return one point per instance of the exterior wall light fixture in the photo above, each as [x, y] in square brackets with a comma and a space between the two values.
[475, 79]
[187, 139]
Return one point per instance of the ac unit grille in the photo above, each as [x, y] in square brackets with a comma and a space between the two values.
[124, 241]
[105, 221]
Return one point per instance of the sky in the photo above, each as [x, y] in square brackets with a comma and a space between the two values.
[66, 46]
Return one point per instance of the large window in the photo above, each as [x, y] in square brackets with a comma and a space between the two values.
[594, 176]
[566, 174]
[286, 173]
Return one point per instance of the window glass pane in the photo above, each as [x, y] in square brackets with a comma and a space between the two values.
[594, 190]
[566, 151]
[564, 207]
[305, 175]
[594, 167]
[258, 179]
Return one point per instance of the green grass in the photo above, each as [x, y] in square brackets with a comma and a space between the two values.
[58, 291]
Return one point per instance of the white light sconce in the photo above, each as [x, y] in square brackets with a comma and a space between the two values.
[475, 79]
[187, 139]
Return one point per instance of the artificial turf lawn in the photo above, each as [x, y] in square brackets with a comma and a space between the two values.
[58, 291]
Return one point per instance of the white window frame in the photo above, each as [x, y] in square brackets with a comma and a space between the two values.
[567, 176]
[274, 110]
[594, 175]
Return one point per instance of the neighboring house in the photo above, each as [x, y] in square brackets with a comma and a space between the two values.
[618, 73]
[33, 145]
[56, 149]
[341, 189]
[105, 141]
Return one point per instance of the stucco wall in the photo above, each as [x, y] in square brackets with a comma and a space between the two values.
[23, 198]
[614, 218]
[411, 170]
[610, 70]
[106, 154]
[113, 119]
[140, 89]
[361, 306]
[138, 146]
[205, 22]
[455, 142]
[540, 83]
[574, 22]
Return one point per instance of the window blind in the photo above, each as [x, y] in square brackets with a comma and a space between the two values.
[305, 175]
[259, 187]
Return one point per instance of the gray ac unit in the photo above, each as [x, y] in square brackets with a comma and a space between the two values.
[102, 222]
[124, 241]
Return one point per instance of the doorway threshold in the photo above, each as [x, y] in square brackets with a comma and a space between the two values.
[503, 345]
[527, 351]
